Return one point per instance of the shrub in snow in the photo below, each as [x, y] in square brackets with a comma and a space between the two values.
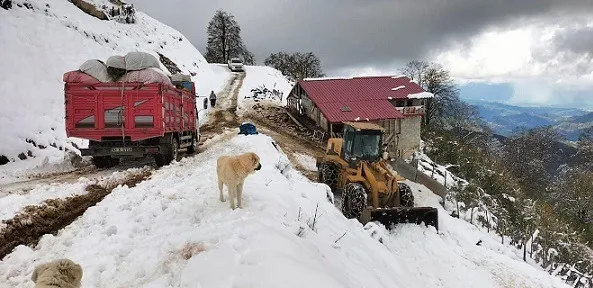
[261, 92]
[126, 14]
[170, 65]
[6, 4]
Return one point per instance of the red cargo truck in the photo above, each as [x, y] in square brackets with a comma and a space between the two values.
[132, 120]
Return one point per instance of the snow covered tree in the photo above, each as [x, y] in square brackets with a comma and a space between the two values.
[470, 196]
[573, 194]
[549, 227]
[296, 65]
[585, 148]
[433, 78]
[527, 222]
[224, 40]
[529, 156]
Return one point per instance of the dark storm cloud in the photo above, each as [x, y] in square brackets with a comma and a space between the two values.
[576, 40]
[350, 33]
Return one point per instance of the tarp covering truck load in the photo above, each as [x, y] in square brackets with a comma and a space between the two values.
[133, 111]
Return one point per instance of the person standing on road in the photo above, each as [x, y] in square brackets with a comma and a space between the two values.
[212, 99]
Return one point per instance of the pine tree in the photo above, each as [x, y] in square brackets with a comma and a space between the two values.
[224, 40]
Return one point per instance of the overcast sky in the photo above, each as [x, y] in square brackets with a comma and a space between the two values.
[543, 44]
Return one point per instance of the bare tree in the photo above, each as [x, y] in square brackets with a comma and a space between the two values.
[296, 65]
[224, 40]
[433, 78]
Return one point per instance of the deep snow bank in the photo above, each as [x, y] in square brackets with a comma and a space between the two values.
[260, 78]
[145, 236]
[172, 231]
[42, 43]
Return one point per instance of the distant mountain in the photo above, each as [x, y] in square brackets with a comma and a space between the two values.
[507, 119]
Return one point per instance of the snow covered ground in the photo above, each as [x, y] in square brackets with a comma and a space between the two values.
[172, 231]
[438, 172]
[54, 37]
[262, 77]
[12, 203]
[306, 161]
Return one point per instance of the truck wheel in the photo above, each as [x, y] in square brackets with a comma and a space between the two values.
[166, 159]
[194, 146]
[353, 200]
[406, 197]
[328, 174]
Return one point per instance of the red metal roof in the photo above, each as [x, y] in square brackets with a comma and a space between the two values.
[369, 110]
[359, 88]
[367, 97]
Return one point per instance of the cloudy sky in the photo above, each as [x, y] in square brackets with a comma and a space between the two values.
[528, 51]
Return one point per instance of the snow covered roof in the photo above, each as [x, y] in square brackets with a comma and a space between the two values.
[420, 95]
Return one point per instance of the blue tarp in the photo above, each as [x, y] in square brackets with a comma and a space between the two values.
[247, 129]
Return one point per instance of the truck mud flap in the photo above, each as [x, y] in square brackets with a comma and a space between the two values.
[417, 215]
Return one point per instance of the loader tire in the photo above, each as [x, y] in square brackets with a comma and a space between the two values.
[353, 200]
[406, 197]
[328, 174]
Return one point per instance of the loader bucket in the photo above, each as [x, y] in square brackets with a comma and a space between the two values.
[418, 215]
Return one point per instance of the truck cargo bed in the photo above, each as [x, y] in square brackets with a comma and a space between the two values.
[132, 111]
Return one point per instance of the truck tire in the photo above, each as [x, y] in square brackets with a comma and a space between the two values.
[353, 200]
[173, 153]
[194, 145]
[406, 197]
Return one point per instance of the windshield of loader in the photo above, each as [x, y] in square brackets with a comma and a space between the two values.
[366, 146]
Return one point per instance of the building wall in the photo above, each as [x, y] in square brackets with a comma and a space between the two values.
[392, 127]
[409, 140]
[322, 123]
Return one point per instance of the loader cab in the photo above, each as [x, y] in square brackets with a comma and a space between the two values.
[361, 143]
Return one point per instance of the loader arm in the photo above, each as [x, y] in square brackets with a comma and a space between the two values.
[372, 183]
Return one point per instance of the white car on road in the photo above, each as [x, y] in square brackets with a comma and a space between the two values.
[235, 64]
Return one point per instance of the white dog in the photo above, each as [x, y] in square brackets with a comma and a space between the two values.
[232, 171]
[61, 273]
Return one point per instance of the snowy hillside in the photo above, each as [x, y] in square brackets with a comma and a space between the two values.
[263, 84]
[43, 40]
[172, 231]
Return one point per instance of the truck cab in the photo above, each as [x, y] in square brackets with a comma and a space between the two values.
[235, 64]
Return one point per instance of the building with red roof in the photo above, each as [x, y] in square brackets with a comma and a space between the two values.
[394, 102]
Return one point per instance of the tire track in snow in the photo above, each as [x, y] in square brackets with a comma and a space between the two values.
[34, 221]
[225, 116]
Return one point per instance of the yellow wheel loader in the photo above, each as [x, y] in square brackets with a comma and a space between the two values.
[370, 191]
